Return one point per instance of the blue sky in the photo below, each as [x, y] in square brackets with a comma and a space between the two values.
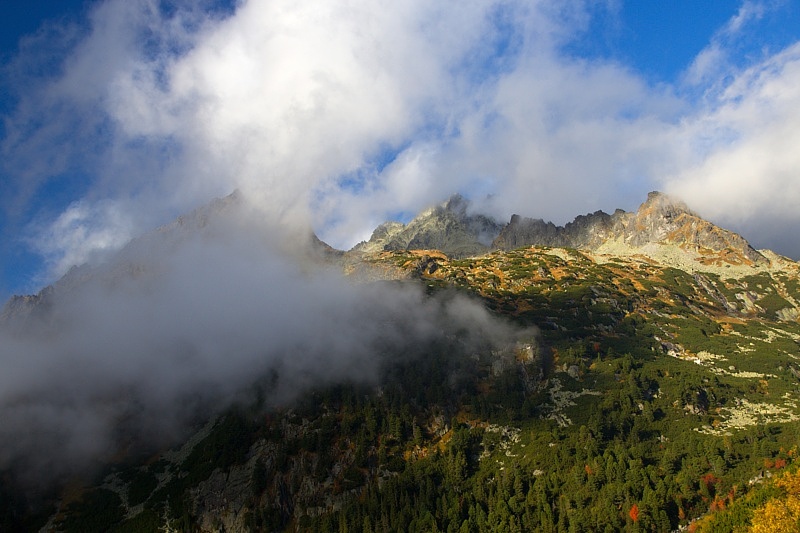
[120, 115]
[24, 18]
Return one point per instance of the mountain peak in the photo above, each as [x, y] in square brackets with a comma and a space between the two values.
[457, 205]
[658, 196]
[662, 228]
[664, 205]
[447, 227]
[667, 221]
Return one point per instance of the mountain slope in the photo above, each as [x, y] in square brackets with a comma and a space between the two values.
[130, 261]
[662, 229]
[618, 393]
[645, 387]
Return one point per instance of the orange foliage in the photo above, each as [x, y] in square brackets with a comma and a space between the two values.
[589, 470]
[718, 504]
[634, 513]
[709, 480]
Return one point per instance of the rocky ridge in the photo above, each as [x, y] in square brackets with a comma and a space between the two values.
[663, 229]
[448, 227]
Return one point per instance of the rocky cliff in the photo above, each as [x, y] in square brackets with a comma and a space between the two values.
[585, 232]
[448, 228]
[659, 220]
[663, 229]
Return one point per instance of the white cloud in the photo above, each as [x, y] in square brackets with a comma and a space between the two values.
[283, 98]
[83, 233]
[748, 12]
[711, 65]
[748, 172]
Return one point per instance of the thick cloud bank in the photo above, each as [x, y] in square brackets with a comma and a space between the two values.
[182, 324]
[345, 114]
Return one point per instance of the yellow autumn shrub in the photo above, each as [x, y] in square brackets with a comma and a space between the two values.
[782, 513]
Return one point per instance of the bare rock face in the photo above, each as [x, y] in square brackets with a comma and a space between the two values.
[586, 231]
[387, 234]
[23, 308]
[448, 228]
[221, 501]
[662, 219]
[662, 229]
[659, 220]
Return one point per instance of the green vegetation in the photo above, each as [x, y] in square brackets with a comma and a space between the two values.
[772, 303]
[648, 404]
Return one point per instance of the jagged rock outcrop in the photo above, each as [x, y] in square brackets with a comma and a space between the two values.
[660, 220]
[22, 308]
[448, 228]
[586, 231]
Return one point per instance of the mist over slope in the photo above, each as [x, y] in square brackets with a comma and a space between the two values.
[128, 353]
[182, 323]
